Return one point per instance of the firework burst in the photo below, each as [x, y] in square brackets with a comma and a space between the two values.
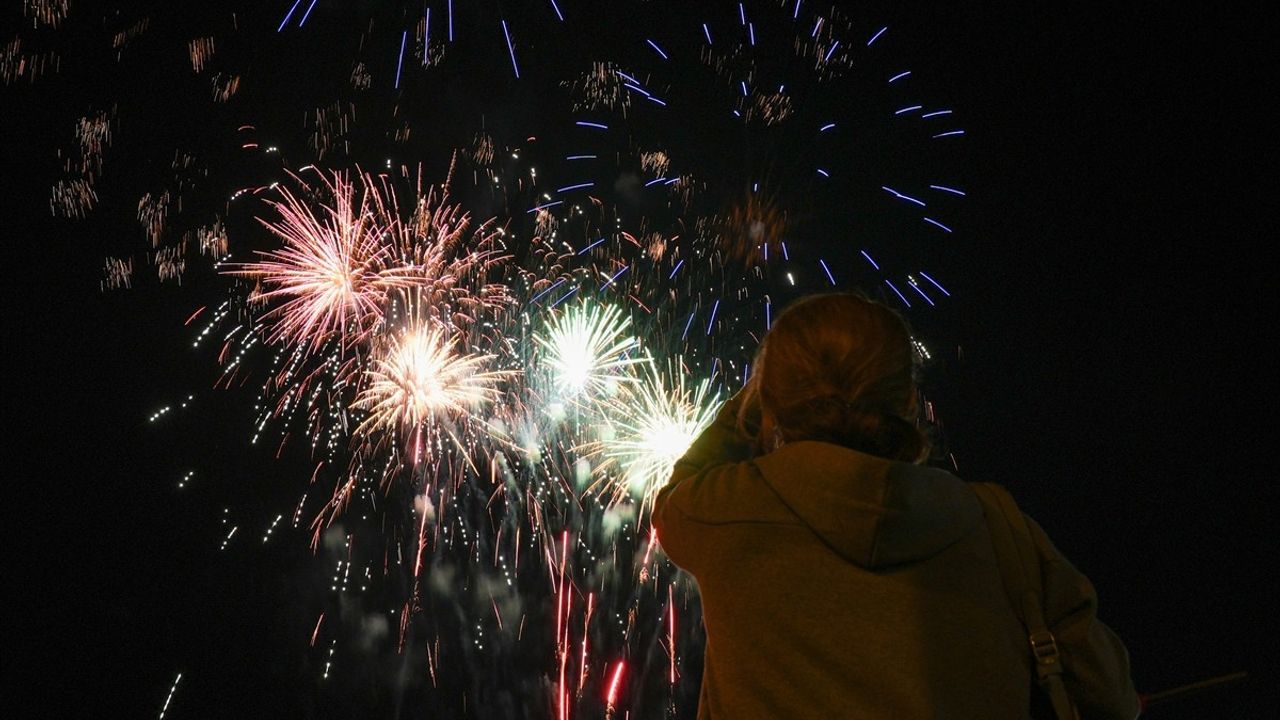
[650, 427]
[589, 350]
[332, 277]
[423, 382]
[689, 173]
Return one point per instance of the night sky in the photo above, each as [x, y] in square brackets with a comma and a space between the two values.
[1116, 374]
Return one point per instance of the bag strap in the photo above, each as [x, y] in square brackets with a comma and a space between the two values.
[1020, 569]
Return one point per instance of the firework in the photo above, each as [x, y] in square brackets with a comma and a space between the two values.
[331, 279]
[588, 350]
[650, 427]
[422, 381]
[482, 395]
[118, 273]
[200, 50]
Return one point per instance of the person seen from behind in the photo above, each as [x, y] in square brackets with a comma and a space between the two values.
[841, 577]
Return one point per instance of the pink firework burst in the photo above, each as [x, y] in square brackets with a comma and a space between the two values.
[333, 275]
[343, 264]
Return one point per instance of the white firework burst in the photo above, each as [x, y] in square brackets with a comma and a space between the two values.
[589, 350]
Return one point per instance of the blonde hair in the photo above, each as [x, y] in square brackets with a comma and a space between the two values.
[837, 368]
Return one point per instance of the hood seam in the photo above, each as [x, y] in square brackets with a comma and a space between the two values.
[802, 521]
[875, 533]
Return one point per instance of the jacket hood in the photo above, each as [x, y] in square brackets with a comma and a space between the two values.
[873, 512]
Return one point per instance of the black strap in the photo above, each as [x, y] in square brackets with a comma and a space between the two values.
[1020, 569]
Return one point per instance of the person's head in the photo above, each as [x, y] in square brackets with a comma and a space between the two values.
[838, 368]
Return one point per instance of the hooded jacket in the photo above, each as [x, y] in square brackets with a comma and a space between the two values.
[837, 584]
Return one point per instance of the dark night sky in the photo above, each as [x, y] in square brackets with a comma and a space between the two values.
[1118, 377]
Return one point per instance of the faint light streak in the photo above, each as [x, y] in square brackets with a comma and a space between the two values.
[931, 221]
[404, 36]
[615, 277]
[925, 275]
[585, 123]
[830, 52]
[826, 127]
[307, 14]
[899, 76]
[316, 631]
[579, 186]
[227, 539]
[588, 248]
[556, 7]
[267, 535]
[868, 257]
[897, 292]
[288, 15]
[615, 682]
[657, 49]
[712, 322]
[676, 269]
[564, 297]
[707, 31]
[949, 133]
[671, 631]
[544, 206]
[877, 35]
[172, 689]
[827, 270]
[900, 196]
[944, 188]
[507, 33]
[912, 284]
[586, 625]
[936, 113]
[329, 662]
[907, 109]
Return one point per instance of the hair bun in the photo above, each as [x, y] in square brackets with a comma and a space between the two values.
[858, 426]
[840, 368]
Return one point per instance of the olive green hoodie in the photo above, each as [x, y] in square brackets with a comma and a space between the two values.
[837, 584]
